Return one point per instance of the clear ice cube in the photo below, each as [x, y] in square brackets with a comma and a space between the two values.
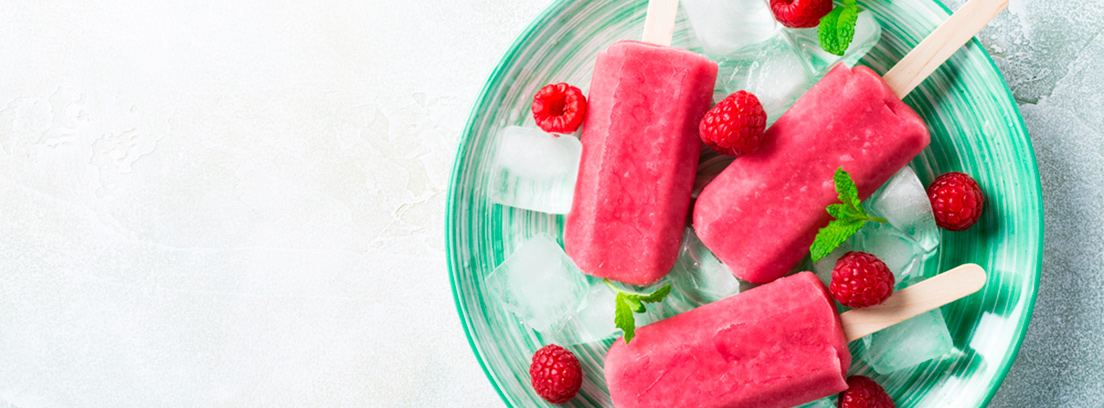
[867, 34]
[726, 26]
[909, 343]
[539, 284]
[709, 169]
[903, 201]
[592, 320]
[823, 267]
[534, 170]
[773, 71]
[893, 247]
[700, 275]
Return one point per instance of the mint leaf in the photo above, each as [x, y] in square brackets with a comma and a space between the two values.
[837, 28]
[623, 317]
[830, 237]
[633, 302]
[658, 295]
[628, 302]
[849, 217]
[848, 193]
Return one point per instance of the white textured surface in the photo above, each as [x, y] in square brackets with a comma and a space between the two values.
[216, 204]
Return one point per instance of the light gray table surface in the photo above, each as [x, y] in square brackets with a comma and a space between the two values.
[239, 204]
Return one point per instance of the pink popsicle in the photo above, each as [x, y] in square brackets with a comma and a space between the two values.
[640, 150]
[777, 345]
[762, 213]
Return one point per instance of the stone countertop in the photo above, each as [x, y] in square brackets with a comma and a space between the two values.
[226, 204]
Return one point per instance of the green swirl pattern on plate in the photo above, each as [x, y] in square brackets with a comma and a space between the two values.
[975, 128]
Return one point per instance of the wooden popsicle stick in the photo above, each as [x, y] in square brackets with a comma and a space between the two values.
[659, 25]
[934, 50]
[909, 302]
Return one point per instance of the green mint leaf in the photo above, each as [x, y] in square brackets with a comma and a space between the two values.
[848, 193]
[837, 29]
[629, 302]
[634, 303]
[623, 317]
[830, 237]
[658, 295]
[850, 2]
[849, 217]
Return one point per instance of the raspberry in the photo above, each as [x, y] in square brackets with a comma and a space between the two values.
[556, 374]
[735, 126]
[862, 392]
[956, 201]
[800, 13]
[559, 108]
[860, 279]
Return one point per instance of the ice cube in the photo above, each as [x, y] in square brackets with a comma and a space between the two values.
[699, 274]
[893, 247]
[539, 284]
[709, 169]
[904, 202]
[823, 267]
[867, 34]
[534, 170]
[726, 26]
[593, 321]
[773, 71]
[826, 402]
[909, 343]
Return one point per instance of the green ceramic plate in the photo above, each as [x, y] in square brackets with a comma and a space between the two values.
[975, 128]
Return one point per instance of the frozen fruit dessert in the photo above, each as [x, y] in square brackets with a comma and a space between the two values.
[640, 150]
[763, 212]
[777, 345]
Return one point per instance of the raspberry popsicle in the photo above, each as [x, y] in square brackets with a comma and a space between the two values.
[640, 151]
[763, 212]
[778, 345]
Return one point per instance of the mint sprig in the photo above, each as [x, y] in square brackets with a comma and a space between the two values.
[837, 28]
[628, 303]
[849, 217]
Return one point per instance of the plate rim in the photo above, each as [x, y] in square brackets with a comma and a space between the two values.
[450, 203]
[525, 36]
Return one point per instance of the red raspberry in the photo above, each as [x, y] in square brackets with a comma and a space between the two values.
[559, 108]
[862, 392]
[556, 374]
[735, 126]
[800, 13]
[956, 201]
[860, 279]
